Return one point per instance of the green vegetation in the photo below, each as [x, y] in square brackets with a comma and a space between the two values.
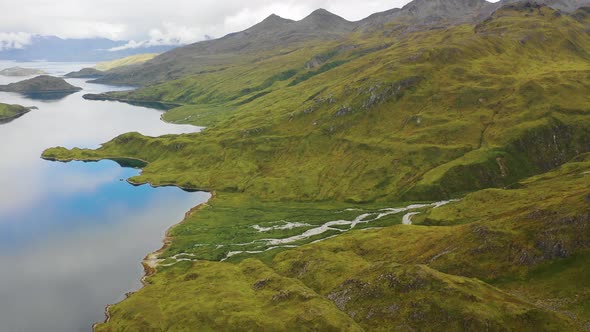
[11, 112]
[127, 61]
[86, 73]
[497, 271]
[495, 114]
[41, 84]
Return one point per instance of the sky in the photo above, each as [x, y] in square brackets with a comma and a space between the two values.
[159, 22]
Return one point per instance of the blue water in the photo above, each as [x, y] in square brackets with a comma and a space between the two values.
[72, 235]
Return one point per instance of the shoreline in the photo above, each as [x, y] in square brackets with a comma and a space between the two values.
[162, 105]
[13, 117]
[150, 261]
[8, 119]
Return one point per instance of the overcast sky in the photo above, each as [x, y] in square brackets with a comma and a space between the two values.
[159, 21]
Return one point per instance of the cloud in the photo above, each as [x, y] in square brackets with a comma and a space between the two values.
[168, 34]
[12, 40]
[155, 22]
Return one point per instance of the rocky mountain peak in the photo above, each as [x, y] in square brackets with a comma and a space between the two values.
[325, 20]
[271, 23]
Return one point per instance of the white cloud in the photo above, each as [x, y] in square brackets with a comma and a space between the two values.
[168, 34]
[11, 40]
[149, 21]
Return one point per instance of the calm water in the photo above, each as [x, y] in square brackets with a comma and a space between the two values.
[72, 236]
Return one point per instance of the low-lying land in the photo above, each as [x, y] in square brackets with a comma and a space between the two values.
[11, 112]
[19, 71]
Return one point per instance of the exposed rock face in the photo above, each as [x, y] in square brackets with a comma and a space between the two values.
[41, 84]
[19, 71]
[86, 73]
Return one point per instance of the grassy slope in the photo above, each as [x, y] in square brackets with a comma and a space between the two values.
[401, 123]
[425, 278]
[9, 112]
[127, 61]
[432, 115]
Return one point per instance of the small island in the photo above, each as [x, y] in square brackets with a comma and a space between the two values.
[86, 73]
[19, 71]
[43, 84]
[11, 112]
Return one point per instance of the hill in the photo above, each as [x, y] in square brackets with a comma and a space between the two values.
[11, 112]
[127, 61]
[86, 73]
[41, 84]
[276, 36]
[318, 155]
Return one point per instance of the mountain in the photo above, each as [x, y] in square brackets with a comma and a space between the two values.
[420, 13]
[273, 33]
[51, 48]
[417, 175]
[276, 35]
[11, 112]
[449, 11]
[86, 73]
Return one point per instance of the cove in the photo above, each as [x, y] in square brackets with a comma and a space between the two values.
[72, 235]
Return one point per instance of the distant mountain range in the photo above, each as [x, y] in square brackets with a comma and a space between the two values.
[52, 48]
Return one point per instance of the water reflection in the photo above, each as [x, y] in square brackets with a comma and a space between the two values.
[72, 235]
[50, 96]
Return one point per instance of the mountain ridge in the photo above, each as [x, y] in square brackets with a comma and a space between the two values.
[311, 151]
[277, 34]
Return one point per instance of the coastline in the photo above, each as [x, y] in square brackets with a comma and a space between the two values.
[150, 261]
[162, 105]
[17, 115]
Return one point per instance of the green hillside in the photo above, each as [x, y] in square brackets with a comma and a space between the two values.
[127, 61]
[11, 112]
[336, 133]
